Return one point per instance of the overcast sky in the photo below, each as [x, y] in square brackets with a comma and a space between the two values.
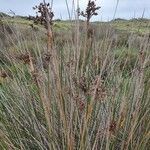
[126, 8]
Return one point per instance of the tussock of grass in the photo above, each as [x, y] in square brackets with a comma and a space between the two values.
[68, 100]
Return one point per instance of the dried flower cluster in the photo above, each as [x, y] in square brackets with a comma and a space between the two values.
[3, 74]
[112, 126]
[90, 11]
[44, 14]
[81, 83]
[100, 91]
[80, 102]
[24, 58]
[88, 14]
[44, 17]
[46, 58]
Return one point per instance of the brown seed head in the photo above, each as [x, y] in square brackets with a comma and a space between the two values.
[3, 74]
[112, 126]
[44, 14]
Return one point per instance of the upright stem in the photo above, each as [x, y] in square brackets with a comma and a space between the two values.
[49, 30]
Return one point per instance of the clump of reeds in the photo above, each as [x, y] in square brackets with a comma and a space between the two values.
[91, 11]
[52, 103]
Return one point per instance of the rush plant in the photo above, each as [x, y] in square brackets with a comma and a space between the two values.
[91, 10]
[44, 16]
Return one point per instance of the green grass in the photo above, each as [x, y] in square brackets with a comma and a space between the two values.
[132, 26]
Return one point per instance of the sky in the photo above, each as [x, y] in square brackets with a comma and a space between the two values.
[126, 8]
